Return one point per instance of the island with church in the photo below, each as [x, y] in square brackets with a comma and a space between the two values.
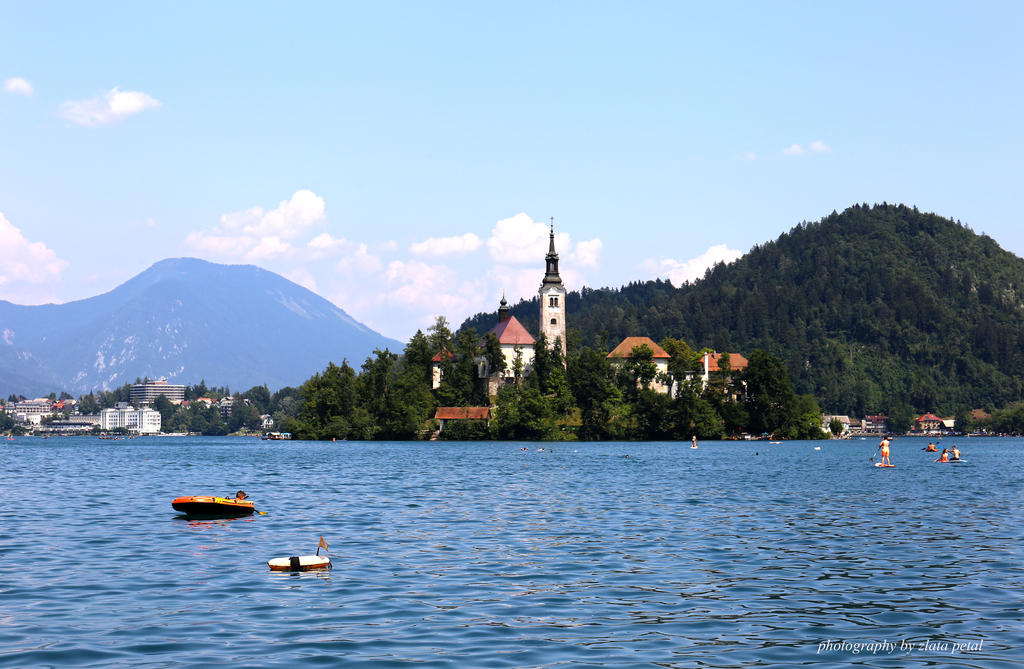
[508, 384]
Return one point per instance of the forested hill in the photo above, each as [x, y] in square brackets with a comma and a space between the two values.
[877, 309]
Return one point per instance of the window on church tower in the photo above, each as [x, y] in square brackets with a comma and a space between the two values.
[554, 321]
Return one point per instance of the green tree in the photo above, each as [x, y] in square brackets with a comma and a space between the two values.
[87, 404]
[521, 413]
[329, 405]
[493, 354]
[597, 397]
[770, 400]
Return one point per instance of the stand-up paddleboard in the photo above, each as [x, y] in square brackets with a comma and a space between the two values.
[300, 563]
[880, 464]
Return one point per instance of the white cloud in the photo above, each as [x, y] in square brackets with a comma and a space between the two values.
[816, 146]
[18, 86]
[25, 265]
[324, 242]
[521, 240]
[439, 246]
[360, 260]
[115, 105]
[687, 271]
[586, 254]
[256, 234]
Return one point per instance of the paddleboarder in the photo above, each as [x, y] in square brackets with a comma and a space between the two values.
[884, 447]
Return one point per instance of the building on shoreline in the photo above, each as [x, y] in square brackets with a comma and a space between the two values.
[147, 392]
[30, 411]
[123, 415]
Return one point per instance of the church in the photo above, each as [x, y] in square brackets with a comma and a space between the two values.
[517, 344]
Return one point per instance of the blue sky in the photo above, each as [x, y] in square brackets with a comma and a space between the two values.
[403, 159]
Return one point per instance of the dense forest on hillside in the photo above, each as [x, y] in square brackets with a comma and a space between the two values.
[878, 309]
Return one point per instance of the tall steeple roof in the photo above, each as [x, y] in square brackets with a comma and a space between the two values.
[551, 273]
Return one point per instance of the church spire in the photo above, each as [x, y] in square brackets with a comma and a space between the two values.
[503, 310]
[551, 274]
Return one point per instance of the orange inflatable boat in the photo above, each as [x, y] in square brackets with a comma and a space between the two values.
[206, 505]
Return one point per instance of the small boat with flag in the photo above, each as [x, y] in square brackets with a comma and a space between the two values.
[215, 507]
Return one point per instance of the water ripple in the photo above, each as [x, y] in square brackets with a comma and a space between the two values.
[488, 555]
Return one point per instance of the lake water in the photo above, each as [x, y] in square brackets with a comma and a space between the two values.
[489, 555]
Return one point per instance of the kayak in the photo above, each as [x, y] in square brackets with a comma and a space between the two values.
[206, 505]
[299, 563]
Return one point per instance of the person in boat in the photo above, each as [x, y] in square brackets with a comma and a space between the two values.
[956, 453]
[884, 447]
[693, 441]
[944, 456]
[931, 448]
[240, 494]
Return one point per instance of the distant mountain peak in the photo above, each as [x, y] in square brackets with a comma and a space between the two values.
[185, 319]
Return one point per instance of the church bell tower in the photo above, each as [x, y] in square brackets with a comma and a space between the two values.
[552, 298]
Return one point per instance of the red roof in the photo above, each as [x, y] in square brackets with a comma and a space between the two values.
[463, 413]
[512, 332]
[736, 362]
[625, 349]
[928, 416]
[437, 356]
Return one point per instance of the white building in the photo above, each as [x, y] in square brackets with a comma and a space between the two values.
[515, 343]
[143, 421]
[146, 393]
[30, 411]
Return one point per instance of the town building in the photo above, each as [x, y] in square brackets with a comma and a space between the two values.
[874, 424]
[30, 411]
[826, 423]
[660, 358]
[123, 415]
[147, 392]
[76, 425]
[928, 424]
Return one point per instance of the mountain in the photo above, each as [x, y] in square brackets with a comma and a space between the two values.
[184, 319]
[876, 309]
